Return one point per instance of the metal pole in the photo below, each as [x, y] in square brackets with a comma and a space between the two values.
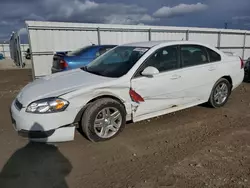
[187, 35]
[226, 25]
[31, 55]
[244, 46]
[149, 35]
[18, 47]
[219, 40]
[3, 50]
[98, 36]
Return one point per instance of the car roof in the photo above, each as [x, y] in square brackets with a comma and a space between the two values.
[104, 45]
[150, 44]
[145, 43]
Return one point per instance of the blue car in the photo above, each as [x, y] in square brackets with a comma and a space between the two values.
[63, 61]
[1, 56]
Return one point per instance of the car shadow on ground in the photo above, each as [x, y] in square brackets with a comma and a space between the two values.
[36, 165]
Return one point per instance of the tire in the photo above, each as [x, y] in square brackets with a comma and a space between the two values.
[96, 110]
[247, 76]
[213, 101]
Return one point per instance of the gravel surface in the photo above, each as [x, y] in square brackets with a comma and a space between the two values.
[7, 64]
[198, 147]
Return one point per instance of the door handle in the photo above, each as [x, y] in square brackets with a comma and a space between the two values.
[211, 68]
[174, 77]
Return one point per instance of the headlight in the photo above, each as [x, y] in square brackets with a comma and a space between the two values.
[49, 105]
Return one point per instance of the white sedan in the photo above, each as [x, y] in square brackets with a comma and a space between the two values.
[130, 82]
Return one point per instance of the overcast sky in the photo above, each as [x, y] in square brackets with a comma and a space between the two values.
[201, 13]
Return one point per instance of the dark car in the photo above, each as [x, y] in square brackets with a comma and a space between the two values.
[27, 54]
[63, 61]
[247, 71]
[1, 56]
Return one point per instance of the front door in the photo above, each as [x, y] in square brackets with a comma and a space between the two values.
[162, 91]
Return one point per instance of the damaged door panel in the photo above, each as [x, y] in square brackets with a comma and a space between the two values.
[155, 97]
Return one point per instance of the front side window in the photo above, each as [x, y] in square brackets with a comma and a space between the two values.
[192, 55]
[164, 59]
[116, 62]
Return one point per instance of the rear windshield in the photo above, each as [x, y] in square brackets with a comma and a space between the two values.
[79, 51]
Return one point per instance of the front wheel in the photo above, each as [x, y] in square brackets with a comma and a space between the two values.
[103, 119]
[220, 93]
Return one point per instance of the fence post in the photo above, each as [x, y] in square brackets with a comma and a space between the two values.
[19, 51]
[187, 35]
[244, 46]
[219, 40]
[3, 51]
[98, 36]
[149, 35]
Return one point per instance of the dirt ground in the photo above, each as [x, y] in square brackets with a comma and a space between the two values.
[198, 147]
[8, 63]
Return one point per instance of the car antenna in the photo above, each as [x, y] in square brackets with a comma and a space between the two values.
[90, 41]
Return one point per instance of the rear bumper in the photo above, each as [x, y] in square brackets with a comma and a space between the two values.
[54, 70]
[238, 79]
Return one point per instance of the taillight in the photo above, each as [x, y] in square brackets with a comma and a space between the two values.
[241, 63]
[135, 96]
[63, 64]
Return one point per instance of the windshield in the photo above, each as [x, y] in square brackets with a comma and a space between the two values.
[79, 51]
[116, 62]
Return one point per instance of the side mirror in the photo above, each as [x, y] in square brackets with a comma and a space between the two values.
[150, 71]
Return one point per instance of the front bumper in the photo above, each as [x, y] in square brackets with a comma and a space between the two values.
[55, 127]
[36, 134]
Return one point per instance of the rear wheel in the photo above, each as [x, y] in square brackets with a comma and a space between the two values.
[104, 119]
[220, 93]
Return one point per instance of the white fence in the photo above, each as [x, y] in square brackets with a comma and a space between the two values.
[48, 37]
[5, 49]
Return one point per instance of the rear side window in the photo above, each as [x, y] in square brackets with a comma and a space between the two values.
[193, 55]
[80, 51]
[213, 56]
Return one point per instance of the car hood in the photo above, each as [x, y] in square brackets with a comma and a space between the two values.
[59, 84]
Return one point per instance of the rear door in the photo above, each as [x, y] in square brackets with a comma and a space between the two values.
[200, 70]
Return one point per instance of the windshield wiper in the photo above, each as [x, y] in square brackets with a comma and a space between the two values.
[84, 68]
[92, 72]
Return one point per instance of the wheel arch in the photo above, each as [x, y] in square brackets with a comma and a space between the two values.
[210, 100]
[80, 113]
[229, 79]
